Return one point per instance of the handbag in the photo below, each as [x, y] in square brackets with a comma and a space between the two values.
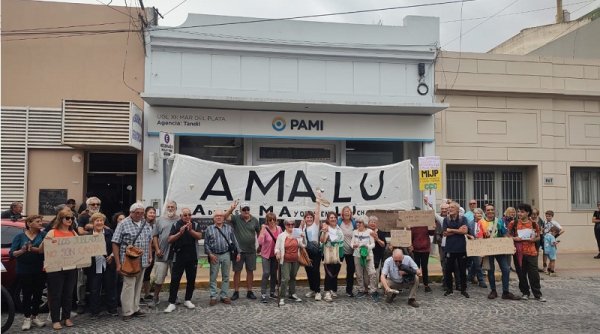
[132, 262]
[313, 248]
[303, 258]
[233, 253]
[331, 254]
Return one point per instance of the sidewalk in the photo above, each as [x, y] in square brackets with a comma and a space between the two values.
[567, 264]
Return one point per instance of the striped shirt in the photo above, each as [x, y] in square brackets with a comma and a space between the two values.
[126, 232]
[214, 243]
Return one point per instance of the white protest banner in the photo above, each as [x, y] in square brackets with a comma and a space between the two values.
[416, 218]
[288, 189]
[73, 252]
[490, 246]
[400, 238]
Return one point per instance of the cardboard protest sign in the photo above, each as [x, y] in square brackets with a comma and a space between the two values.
[416, 218]
[387, 219]
[490, 246]
[74, 252]
[400, 238]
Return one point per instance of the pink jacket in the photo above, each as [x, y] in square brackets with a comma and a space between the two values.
[267, 243]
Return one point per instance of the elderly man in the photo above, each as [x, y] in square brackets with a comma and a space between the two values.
[400, 271]
[455, 227]
[160, 242]
[84, 226]
[472, 206]
[219, 242]
[246, 229]
[183, 238]
[133, 230]
[15, 212]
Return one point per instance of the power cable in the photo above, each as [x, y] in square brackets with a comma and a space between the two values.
[172, 9]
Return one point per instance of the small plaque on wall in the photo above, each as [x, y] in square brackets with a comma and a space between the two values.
[49, 199]
[548, 180]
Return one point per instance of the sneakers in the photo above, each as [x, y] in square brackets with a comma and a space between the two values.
[525, 297]
[38, 322]
[361, 294]
[464, 293]
[318, 296]
[427, 288]
[189, 304]
[309, 294]
[170, 308]
[236, 295]
[281, 302]
[350, 294]
[510, 296]
[482, 285]
[333, 294]
[273, 295]
[540, 299]
[375, 296]
[250, 295]
[263, 299]
[26, 324]
[412, 302]
[295, 298]
[327, 297]
[226, 301]
[448, 293]
[148, 297]
[597, 256]
[212, 302]
[493, 295]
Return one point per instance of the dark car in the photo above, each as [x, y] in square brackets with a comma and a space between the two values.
[9, 229]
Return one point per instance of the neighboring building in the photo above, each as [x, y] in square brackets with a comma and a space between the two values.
[567, 39]
[522, 129]
[63, 67]
[226, 90]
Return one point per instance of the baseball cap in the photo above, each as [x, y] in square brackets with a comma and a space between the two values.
[244, 205]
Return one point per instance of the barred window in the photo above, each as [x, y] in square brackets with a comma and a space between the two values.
[456, 187]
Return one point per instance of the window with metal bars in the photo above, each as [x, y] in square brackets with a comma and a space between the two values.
[500, 186]
[585, 188]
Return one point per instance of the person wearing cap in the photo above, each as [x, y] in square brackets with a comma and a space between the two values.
[246, 229]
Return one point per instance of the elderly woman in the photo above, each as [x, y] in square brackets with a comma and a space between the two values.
[102, 275]
[287, 250]
[267, 239]
[61, 283]
[30, 264]
[348, 225]
[310, 228]
[474, 262]
[363, 244]
[332, 239]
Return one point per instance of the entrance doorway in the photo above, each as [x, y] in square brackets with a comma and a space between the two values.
[112, 178]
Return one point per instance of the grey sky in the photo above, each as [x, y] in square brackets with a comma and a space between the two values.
[513, 15]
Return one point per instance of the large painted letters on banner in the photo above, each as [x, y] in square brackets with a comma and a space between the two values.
[288, 189]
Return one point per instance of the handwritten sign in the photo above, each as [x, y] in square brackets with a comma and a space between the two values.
[400, 238]
[74, 252]
[491, 246]
[430, 173]
[387, 219]
[416, 218]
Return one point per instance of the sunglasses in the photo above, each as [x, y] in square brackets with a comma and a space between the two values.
[94, 204]
[68, 217]
[187, 215]
[290, 224]
[246, 209]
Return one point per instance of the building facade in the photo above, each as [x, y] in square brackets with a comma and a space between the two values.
[275, 91]
[522, 129]
[71, 77]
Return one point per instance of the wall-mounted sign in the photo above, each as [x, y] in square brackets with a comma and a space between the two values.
[167, 145]
[49, 199]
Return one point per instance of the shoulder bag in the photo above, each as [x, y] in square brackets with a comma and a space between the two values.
[303, 258]
[132, 262]
[233, 253]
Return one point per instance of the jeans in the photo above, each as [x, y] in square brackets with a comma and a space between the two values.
[190, 266]
[313, 273]
[223, 264]
[422, 261]
[130, 294]
[504, 268]
[350, 269]
[60, 293]
[474, 268]
[453, 260]
[412, 294]
[288, 277]
[269, 275]
[529, 277]
[331, 275]
[32, 286]
[107, 282]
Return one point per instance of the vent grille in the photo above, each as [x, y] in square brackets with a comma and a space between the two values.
[44, 128]
[96, 123]
[14, 156]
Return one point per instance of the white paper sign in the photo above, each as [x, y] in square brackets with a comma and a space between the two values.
[525, 234]
[288, 189]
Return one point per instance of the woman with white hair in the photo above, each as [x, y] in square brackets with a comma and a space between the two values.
[287, 251]
[363, 244]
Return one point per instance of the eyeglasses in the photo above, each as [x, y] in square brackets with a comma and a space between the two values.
[68, 217]
[171, 207]
[290, 224]
[94, 204]
[246, 209]
[472, 203]
[186, 214]
[271, 219]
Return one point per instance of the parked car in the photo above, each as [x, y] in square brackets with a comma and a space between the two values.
[9, 229]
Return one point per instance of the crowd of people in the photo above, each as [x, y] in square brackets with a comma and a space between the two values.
[169, 243]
